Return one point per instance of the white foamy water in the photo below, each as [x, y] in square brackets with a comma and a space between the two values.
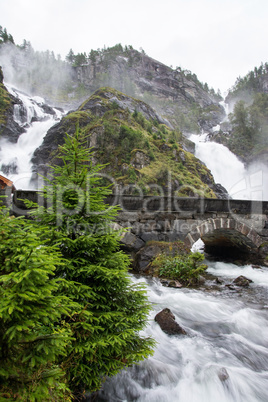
[224, 357]
[230, 172]
[258, 275]
[18, 156]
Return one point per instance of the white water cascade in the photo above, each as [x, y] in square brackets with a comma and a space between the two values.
[18, 156]
[240, 182]
[223, 358]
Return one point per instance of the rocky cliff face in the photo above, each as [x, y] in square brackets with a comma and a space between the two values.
[141, 149]
[9, 129]
[176, 94]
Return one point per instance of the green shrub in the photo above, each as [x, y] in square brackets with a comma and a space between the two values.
[185, 268]
[151, 155]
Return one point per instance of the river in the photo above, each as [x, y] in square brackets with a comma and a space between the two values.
[223, 357]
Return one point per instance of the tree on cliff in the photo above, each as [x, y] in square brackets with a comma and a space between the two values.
[105, 328]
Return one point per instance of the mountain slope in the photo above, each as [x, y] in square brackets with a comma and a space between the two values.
[139, 149]
[175, 94]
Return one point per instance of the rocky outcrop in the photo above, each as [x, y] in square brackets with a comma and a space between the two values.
[167, 323]
[223, 374]
[9, 129]
[97, 105]
[172, 92]
[134, 143]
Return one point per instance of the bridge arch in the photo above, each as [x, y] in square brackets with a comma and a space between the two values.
[223, 235]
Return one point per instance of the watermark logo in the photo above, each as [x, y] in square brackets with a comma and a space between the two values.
[148, 208]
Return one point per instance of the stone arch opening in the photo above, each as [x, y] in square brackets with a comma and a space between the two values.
[227, 238]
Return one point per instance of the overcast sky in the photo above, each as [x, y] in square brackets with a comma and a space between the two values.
[218, 40]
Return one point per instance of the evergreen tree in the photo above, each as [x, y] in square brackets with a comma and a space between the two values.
[112, 310]
[32, 337]
[70, 56]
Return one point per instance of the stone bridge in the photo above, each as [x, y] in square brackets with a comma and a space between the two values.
[223, 225]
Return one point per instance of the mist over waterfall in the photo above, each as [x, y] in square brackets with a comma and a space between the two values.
[240, 182]
[15, 159]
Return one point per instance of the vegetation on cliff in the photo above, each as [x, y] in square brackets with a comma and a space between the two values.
[138, 149]
[248, 133]
[5, 101]
[246, 87]
[176, 93]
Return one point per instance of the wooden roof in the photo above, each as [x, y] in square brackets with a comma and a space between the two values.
[4, 182]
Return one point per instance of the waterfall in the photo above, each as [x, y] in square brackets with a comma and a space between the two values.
[15, 159]
[240, 182]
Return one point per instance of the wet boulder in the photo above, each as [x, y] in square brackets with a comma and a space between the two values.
[167, 323]
[171, 283]
[242, 281]
[223, 374]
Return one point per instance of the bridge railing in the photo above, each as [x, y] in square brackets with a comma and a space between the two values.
[130, 203]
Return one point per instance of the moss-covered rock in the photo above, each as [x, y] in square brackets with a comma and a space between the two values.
[134, 143]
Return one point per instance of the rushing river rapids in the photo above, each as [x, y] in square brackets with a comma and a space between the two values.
[224, 357]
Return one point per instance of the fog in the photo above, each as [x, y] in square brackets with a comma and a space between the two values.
[36, 73]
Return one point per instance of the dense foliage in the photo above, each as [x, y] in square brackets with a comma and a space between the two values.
[113, 310]
[184, 267]
[32, 337]
[96, 309]
[249, 84]
[250, 126]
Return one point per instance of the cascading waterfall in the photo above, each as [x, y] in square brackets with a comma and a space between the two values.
[240, 182]
[15, 159]
[223, 164]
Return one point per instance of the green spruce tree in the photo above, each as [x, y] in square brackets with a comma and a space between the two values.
[112, 312]
[32, 337]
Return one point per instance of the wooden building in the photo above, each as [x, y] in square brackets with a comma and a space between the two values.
[4, 183]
